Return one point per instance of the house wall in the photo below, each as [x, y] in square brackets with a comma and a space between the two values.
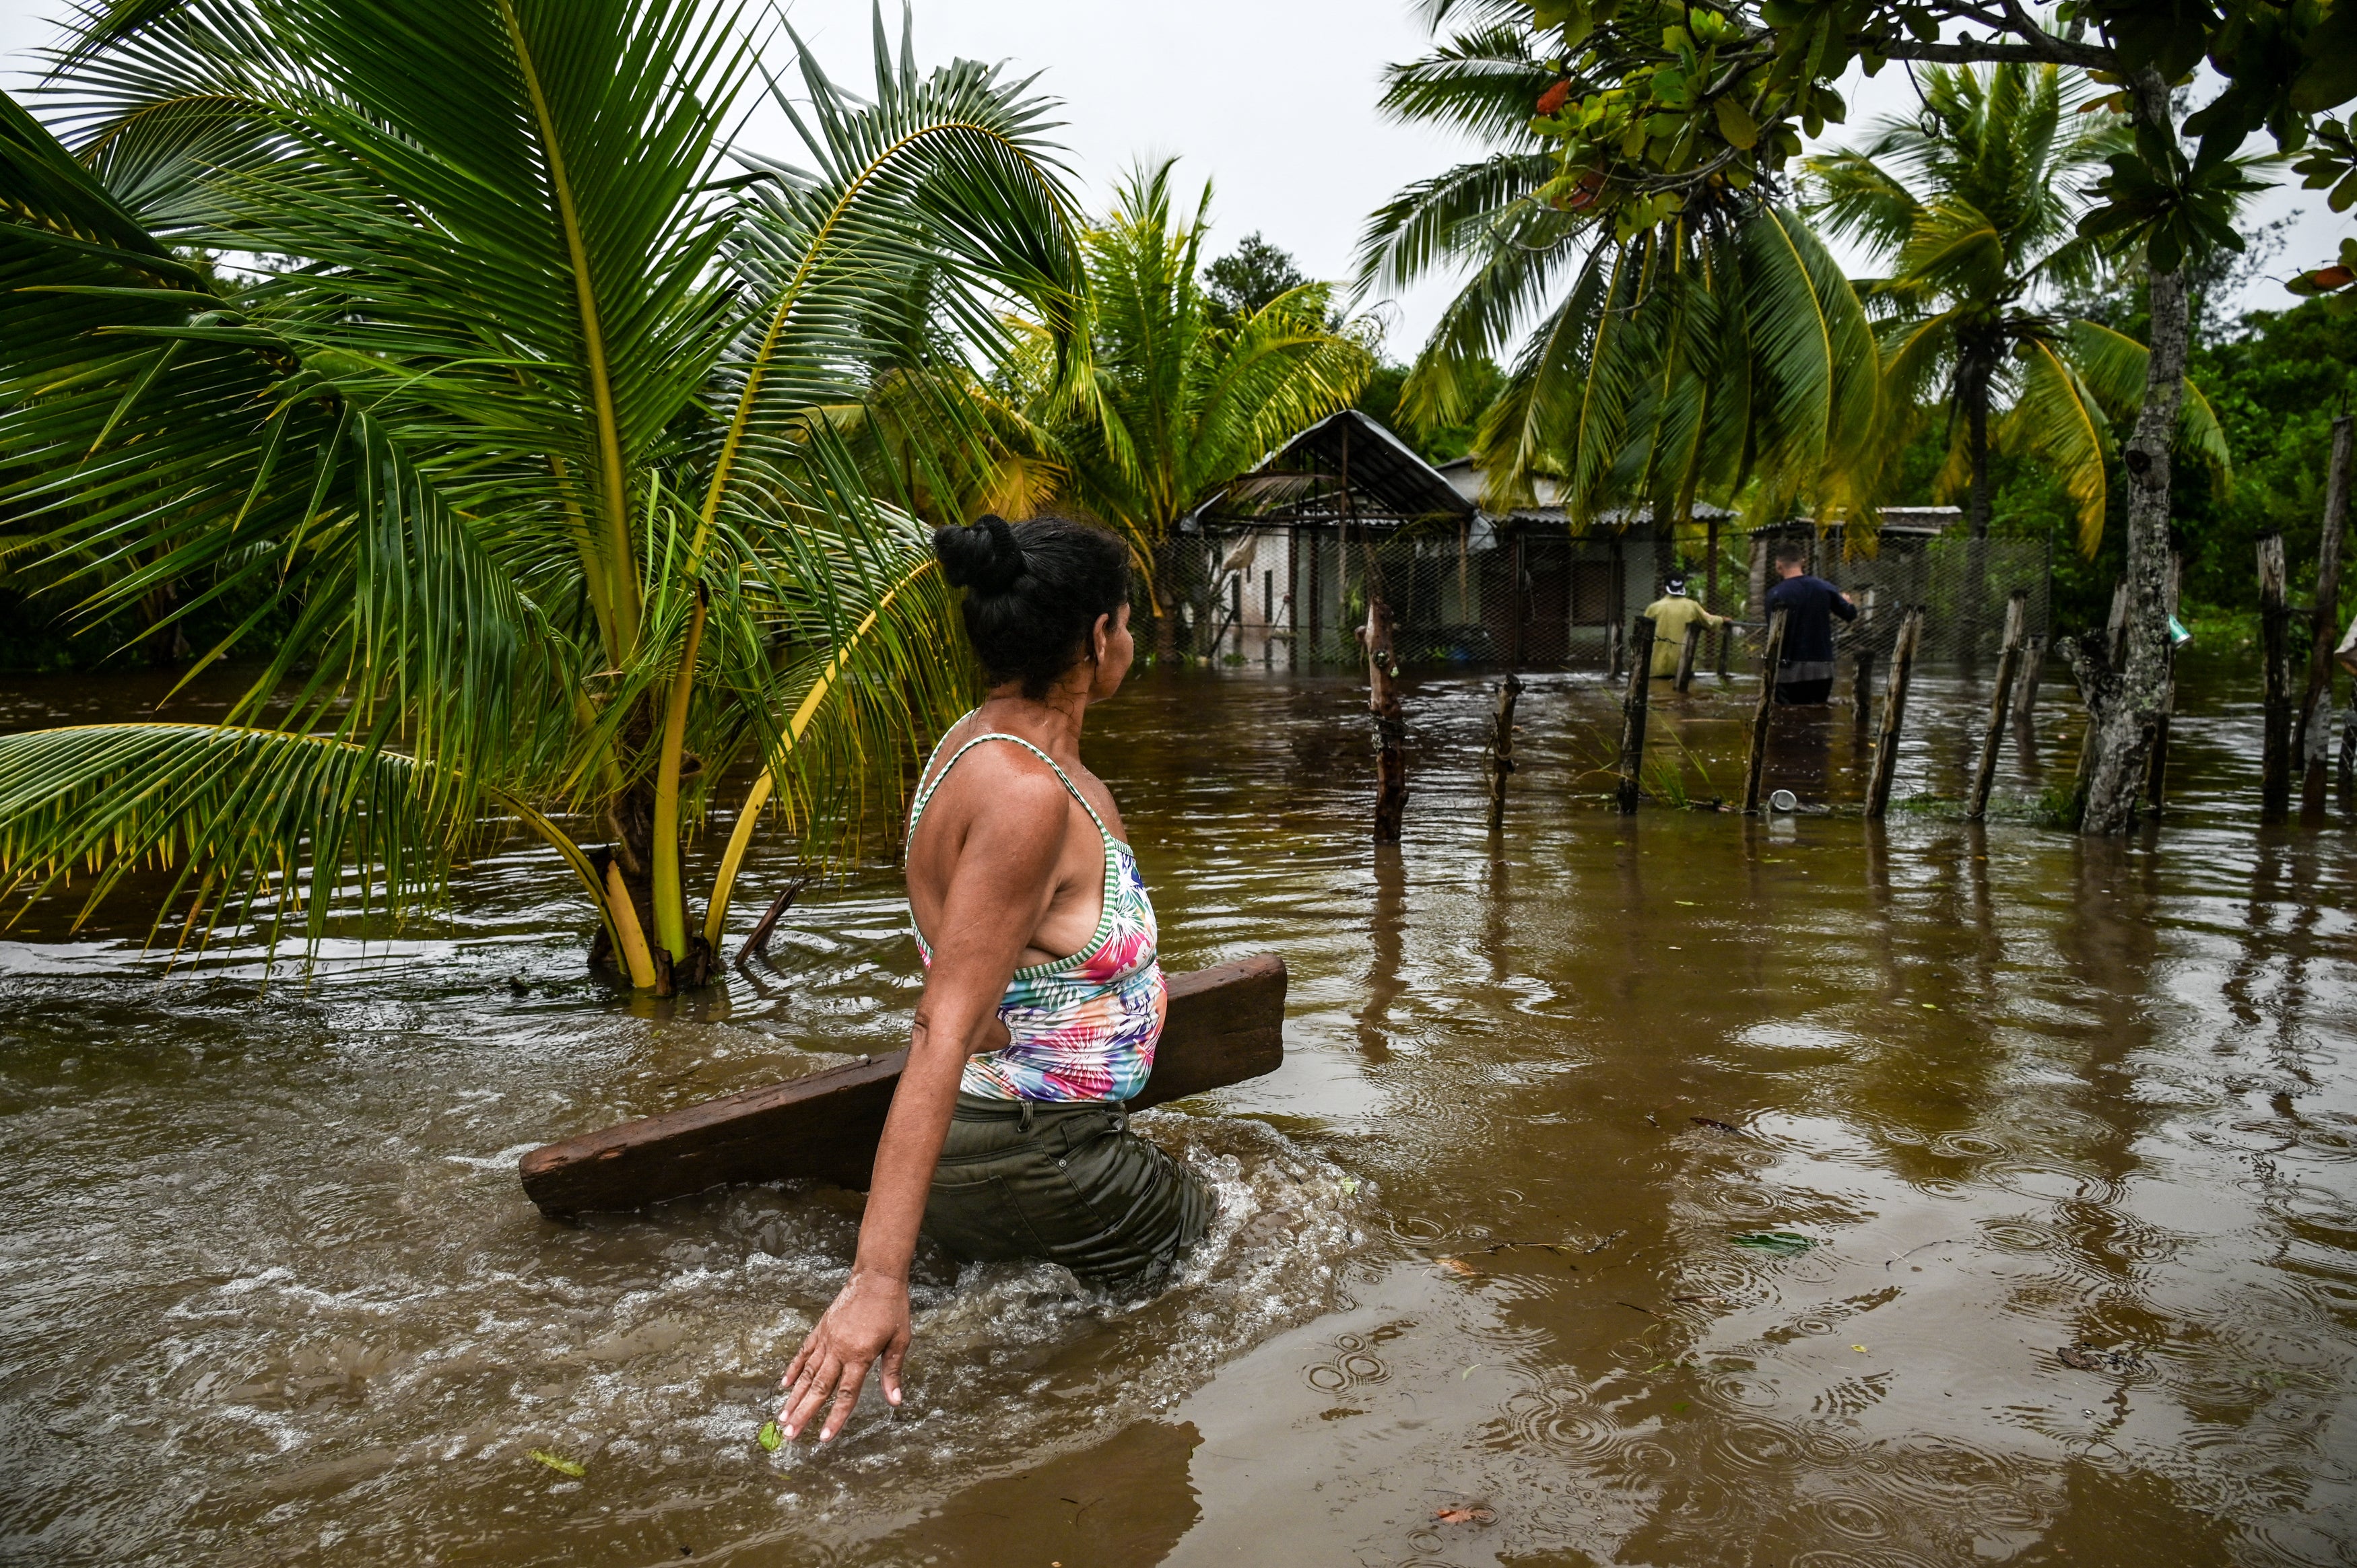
[1288, 595]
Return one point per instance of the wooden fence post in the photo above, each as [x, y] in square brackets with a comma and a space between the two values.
[1862, 693]
[2008, 665]
[1616, 647]
[1391, 723]
[1894, 717]
[1632, 713]
[1710, 586]
[1761, 716]
[1501, 747]
[1686, 654]
[2310, 742]
[2274, 753]
[2025, 690]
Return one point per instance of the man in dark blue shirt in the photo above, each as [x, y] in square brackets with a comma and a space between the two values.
[1805, 673]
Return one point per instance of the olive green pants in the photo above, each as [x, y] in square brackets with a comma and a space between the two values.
[1067, 1181]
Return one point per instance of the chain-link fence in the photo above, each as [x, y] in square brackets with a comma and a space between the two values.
[1287, 597]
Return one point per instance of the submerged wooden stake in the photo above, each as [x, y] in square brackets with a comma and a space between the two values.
[1687, 655]
[1391, 723]
[2025, 690]
[1894, 717]
[759, 941]
[1632, 713]
[2316, 705]
[2008, 665]
[1501, 747]
[2274, 745]
[1756, 763]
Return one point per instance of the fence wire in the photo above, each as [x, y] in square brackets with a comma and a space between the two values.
[1290, 598]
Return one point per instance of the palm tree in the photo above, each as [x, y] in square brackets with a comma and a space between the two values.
[1709, 350]
[1974, 202]
[524, 408]
[1171, 404]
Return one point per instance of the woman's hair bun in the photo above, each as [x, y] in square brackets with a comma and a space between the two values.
[985, 556]
[1034, 591]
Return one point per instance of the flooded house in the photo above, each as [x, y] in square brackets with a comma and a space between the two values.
[1282, 560]
[1288, 553]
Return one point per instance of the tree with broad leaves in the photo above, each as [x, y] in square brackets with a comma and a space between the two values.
[1657, 102]
[1972, 202]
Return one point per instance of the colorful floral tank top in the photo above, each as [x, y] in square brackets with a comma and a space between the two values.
[1082, 1028]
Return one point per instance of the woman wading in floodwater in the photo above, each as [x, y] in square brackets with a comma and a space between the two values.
[1043, 997]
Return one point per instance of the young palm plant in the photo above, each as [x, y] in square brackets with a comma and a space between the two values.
[1715, 351]
[1170, 404]
[521, 407]
[1975, 203]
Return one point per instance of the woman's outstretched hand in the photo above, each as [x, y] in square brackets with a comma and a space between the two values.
[869, 1320]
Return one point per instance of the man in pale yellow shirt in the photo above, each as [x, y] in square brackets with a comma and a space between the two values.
[1671, 615]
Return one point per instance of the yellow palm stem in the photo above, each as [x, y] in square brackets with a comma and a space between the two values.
[670, 902]
[629, 937]
[724, 885]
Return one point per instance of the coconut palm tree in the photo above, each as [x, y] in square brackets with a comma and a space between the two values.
[1975, 203]
[522, 404]
[1709, 349]
[1172, 403]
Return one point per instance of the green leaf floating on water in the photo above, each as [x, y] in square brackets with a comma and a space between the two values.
[1784, 1243]
[560, 1464]
[769, 1437]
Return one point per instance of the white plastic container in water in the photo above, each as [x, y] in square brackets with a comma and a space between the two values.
[1784, 800]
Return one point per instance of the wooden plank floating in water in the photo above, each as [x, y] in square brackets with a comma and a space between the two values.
[1225, 1024]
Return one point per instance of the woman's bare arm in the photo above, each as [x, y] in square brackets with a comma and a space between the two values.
[1001, 882]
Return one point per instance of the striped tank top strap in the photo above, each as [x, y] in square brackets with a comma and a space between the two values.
[926, 793]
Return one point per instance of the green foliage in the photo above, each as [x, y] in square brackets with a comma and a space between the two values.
[1168, 404]
[1249, 278]
[1701, 347]
[1972, 202]
[1661, 103]
[2156, 203]
[2276, 387]
[1380, 399]
[532, 438]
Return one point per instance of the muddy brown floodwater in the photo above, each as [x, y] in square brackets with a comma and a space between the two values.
[2051, 1145]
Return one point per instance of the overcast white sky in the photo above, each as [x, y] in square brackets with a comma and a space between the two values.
[1271, 100]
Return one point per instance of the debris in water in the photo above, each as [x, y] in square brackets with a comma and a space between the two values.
[1716, 1125]
[560, 1464]
[1350, 1185]
[1859, 1349]
[1782, 1243]
[1457, 1266]
[1704, 1300]
[2086, 1358]
[770, 1438]
[1463, 1515]
[1608, 1241]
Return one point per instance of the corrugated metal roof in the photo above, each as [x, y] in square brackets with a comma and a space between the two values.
[1301, 481]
